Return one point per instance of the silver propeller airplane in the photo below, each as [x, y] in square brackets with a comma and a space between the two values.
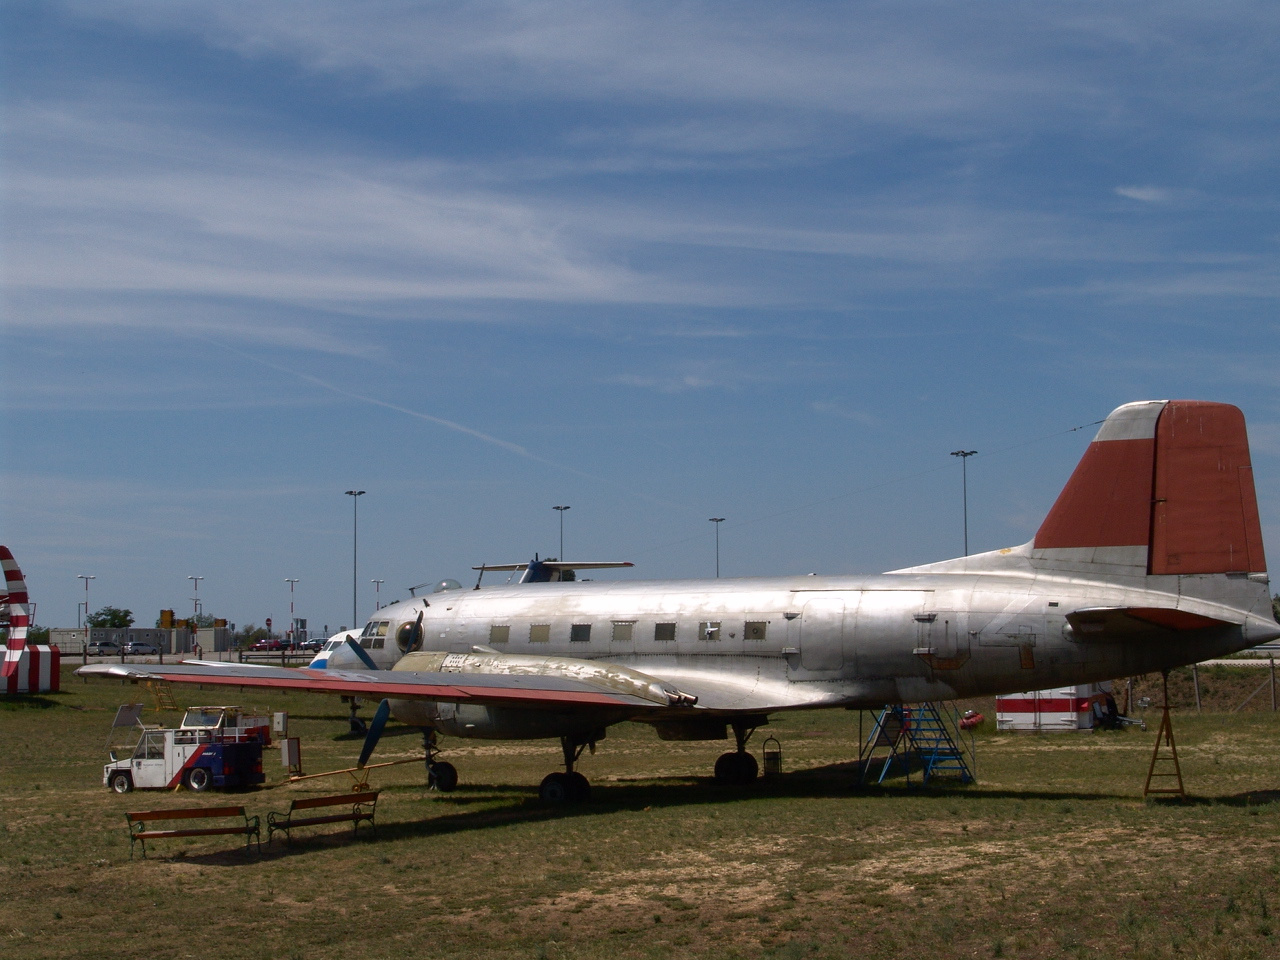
[1151, 558]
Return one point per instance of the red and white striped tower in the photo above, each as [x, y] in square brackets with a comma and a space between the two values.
[28, 668]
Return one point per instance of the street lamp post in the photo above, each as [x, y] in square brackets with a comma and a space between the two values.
[291, 581]
[86, 578]
[717, 521]
[561, 511]
[964, 456]
[355, 496]
[195, 601]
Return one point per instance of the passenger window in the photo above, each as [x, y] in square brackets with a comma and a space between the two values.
[755, 629]
[709, 630]
[623, 630]
[580, 633]
[664, 632]
[499, 634]
[539, 632]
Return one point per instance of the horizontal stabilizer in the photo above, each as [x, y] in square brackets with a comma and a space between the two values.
[1136, 623]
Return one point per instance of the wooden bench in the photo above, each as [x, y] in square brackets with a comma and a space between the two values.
[362, 807]
[140, 832]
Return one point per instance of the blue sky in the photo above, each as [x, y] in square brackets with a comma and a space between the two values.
[659, 262]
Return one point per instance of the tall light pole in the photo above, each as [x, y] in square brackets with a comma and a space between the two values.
[377, 589]
[291, 581]
[717, 521]
[355, 496]
[964, 456]
[561, 511]
[195, 601]
[86, 578]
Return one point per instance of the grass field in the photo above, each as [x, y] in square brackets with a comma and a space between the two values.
[1053, 853]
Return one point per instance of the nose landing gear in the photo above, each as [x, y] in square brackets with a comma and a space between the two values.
[441, 774]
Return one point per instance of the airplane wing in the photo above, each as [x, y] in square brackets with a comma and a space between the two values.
[483, 677]
[542, 691]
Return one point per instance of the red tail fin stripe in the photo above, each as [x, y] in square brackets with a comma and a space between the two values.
[1171, 477]
[1205, 512]
[1107, 501]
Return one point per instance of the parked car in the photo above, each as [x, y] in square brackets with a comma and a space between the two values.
[103, 648]
[314, 645]
[140, 648]
[270, 643]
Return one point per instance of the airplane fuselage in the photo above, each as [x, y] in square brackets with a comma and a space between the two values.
[790, 643]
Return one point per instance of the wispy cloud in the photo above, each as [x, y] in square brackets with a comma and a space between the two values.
[1145, 194]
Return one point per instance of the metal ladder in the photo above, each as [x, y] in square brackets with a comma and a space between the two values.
[163, 692]
[938, 751]
[916, 733]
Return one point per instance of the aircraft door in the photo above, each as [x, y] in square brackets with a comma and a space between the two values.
[822, 634]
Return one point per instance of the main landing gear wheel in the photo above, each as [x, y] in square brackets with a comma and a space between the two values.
[570, 786]
[736, 769]
[564, 788]
[739, 768]
[120, 782]
[199, 779]
[442, 776]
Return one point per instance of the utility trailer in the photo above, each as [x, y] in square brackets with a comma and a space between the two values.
[213, 748]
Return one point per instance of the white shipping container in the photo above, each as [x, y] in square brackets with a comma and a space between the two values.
[1058, 708]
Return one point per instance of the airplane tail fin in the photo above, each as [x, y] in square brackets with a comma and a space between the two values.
[1165, 487]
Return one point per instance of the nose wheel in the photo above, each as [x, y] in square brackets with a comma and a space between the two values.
[738, 768]
[570, 786]
[357, 725]
[441, 774]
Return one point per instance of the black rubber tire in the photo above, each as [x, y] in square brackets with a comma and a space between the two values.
[120, 782]
[554, 788]
[579, 788]
[736, 769]
[198, 779]
[442, 775]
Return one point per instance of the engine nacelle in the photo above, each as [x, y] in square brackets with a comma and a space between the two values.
[502, 723]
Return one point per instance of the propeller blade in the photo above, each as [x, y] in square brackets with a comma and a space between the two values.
[371, 739]
[364, 657]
